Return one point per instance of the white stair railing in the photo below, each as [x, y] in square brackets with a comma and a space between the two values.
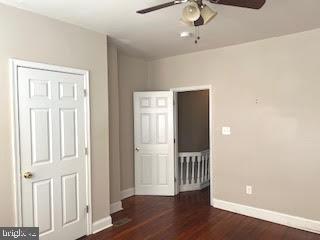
[194, 170]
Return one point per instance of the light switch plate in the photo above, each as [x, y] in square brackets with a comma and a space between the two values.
[249, 189]
[226, 131]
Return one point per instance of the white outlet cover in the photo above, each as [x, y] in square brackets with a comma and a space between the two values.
[226, 131]
[249, 190]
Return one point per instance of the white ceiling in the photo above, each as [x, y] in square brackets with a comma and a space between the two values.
[156, 34]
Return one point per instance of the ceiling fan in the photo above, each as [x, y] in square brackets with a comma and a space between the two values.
[196, 13]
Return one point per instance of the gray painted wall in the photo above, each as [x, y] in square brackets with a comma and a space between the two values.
[114, 141]
[268, 93]
[32, 37]
[132, 77]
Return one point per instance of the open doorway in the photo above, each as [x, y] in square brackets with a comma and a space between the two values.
[193, 143]
[158, 168]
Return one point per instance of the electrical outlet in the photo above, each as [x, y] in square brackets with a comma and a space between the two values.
[249, 190]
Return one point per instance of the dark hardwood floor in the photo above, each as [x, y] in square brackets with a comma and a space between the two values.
[189, 216]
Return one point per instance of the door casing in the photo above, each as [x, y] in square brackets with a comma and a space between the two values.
[14, 64]
[211, 127]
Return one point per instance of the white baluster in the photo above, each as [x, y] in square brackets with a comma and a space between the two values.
[187, 171]
[193, 177]
[203, 168]
[206, 166]
[189, 176]
[198, 164]
[181, 170]
[208, 156]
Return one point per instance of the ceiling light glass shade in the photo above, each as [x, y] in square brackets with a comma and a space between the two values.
[188, 23]
[191, 12]
[207, 14]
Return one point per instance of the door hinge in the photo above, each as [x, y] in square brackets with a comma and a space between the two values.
[175, 179]
[174, 140]
[87, 208]
[84, 92]
[86, 151]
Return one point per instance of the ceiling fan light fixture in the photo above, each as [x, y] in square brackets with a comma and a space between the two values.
[191, 12]
[207, 14]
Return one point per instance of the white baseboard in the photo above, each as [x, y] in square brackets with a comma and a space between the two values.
[271, 216]
[127, 193]
[101, 224]
[115, 207]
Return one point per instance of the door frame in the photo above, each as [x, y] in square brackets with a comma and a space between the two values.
[14, 64]
[211, 127]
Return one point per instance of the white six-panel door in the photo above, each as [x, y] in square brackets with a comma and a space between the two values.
[154, 143]
[52, 151]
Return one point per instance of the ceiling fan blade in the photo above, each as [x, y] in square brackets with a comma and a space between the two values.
[164, 5]
[254, 4]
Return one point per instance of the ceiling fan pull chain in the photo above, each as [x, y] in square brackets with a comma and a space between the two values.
[196, 34]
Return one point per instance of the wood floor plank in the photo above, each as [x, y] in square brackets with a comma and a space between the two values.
[189, 216]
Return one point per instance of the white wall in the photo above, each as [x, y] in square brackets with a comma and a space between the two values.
[32, 37]
[275, 143]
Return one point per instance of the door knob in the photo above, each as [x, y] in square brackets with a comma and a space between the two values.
[137, 149]
[27, 175]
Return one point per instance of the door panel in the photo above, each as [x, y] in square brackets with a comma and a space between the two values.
[162, 102]
[154, 144]
[70, 198]
[52, 139]
[41, 138]
[146, 165]
[42, 204]
[146, 136]
[39, 89]
[69, 136]
[161, 128]
[162, 161]
[67, 91]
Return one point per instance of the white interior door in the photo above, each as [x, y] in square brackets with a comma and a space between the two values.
[52, 152]
[154, 143]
